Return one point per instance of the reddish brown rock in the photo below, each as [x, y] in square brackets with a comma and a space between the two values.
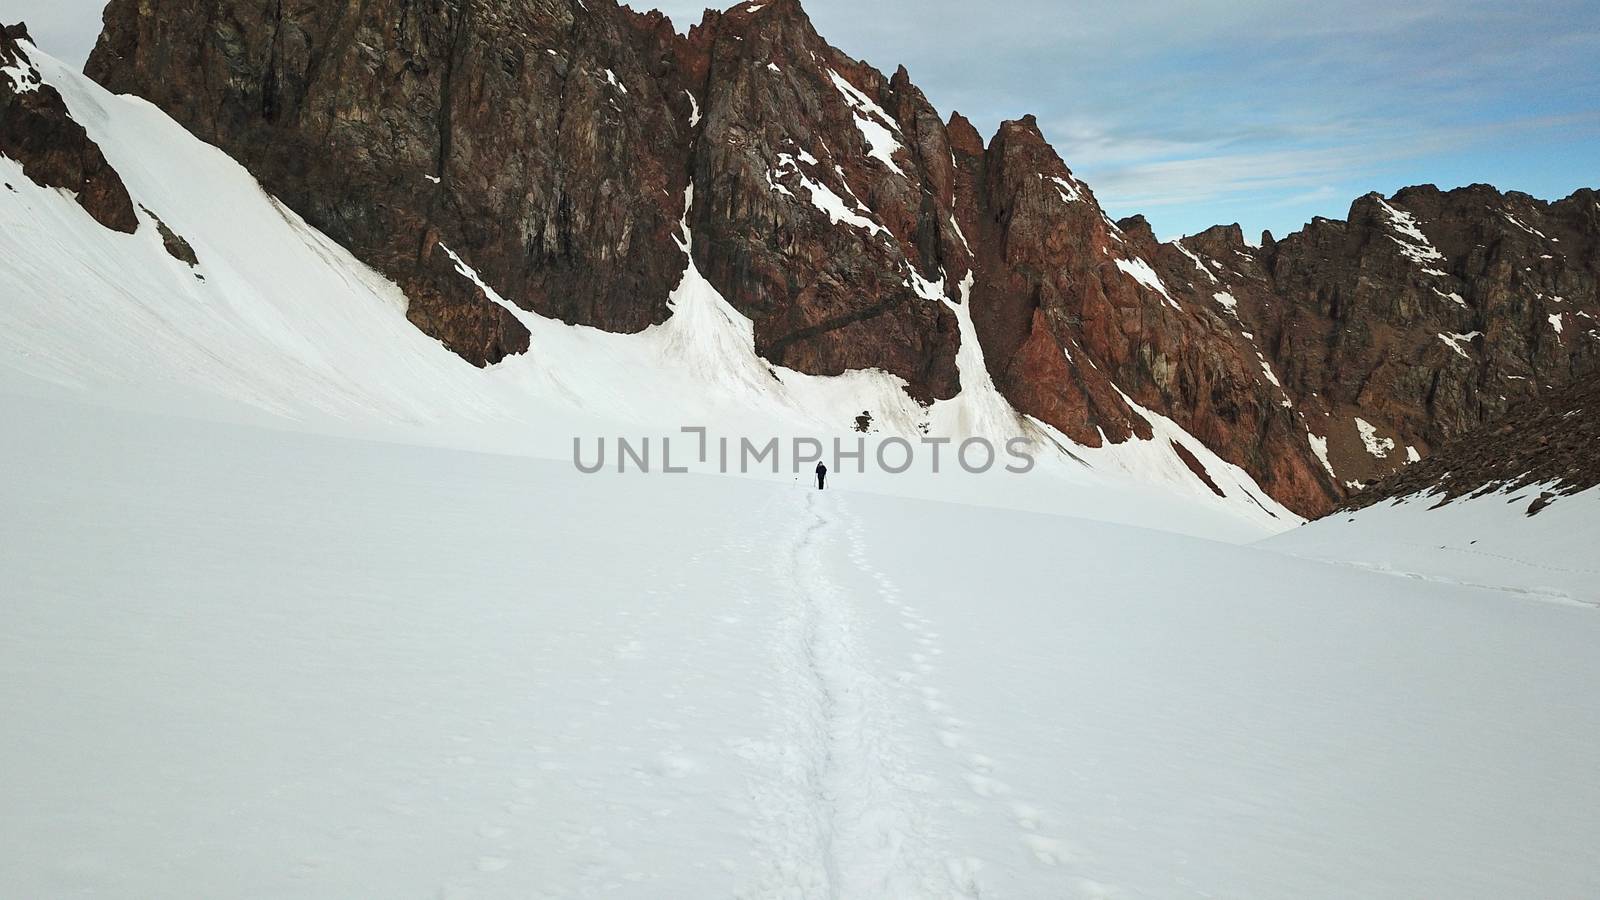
[560, 138]
[544, 143]
[1067, 329]
[1545, 444]
[779, 147]
[1423, 315]
[551, 144]
[1038, 285]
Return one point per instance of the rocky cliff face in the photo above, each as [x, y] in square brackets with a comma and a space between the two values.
[1418, 318]
[541, 141]
[557, 145]
[822, 200]
[1545, 444]
[37, 131]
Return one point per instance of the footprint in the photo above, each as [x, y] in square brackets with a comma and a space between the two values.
[1027, 816]
[492, 863]
[1095, 889]
[491, 832]
[674, 765]
[964, 873]
[1052, 851]
[984, 786]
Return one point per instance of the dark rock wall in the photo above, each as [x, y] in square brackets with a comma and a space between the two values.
[37, 131]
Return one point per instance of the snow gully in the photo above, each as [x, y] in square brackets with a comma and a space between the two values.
[893, 456]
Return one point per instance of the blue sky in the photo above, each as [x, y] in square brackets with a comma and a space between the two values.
[1193, 113]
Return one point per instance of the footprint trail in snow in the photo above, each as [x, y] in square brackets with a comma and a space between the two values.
[854, 819]
[980, 772]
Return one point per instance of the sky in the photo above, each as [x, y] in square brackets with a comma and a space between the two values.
[1198, 112]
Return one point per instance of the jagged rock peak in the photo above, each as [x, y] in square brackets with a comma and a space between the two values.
[964, 138]
[1138, 227]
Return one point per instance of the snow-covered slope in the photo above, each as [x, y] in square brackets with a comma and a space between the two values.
[1487, 540]
[278, 324]
[238, 662]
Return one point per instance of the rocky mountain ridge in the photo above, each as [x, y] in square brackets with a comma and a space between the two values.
[1418, 318]
[1542, 450]
[557, 144]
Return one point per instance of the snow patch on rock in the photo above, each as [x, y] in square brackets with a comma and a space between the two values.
[957, 226]
[1319, 447]
[1069, 190]
[1196, 260]
[1524, 226]
[1377, 446]
[24, 80]
[694, 109]
[1412, 242]
[876, 125]
[1454, 341]
[1140, 271]
[823, 197]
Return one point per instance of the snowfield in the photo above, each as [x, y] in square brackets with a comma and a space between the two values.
[242, 662]
[294, 603]
[1480, 541]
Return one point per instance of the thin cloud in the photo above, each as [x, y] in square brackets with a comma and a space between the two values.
[1201, 178]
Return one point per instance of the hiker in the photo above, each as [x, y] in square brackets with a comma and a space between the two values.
[822, 475]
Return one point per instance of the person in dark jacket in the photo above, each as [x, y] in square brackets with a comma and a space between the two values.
[822, 475]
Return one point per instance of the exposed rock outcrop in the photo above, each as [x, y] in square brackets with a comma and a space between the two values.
[823, 193]
[176, 246]
[1548, 442]
[38, 131]
[1078, 326]
[1418, 318]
